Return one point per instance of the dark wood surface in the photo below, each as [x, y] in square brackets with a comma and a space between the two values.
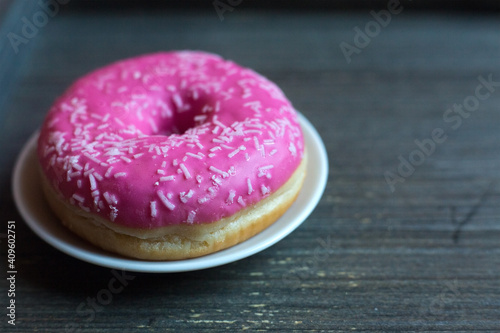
[425, 257]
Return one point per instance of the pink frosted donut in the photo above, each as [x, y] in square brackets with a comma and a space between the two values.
[171, 155]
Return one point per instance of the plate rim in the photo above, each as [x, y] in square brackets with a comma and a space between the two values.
[219, 258]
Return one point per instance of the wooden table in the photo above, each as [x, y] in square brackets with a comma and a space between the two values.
[422, 254]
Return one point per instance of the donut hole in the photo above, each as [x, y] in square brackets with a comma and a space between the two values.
[186, 113]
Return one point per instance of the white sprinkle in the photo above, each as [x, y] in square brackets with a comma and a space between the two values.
[199, 179]
[256, 141]
[211, 155]
[112, 151]
[191, 216]
[48, 150]
[217, 122]
[254, 125]
[194, 155]
[274, 151]
[72, 174]
[220, 172]
[200, 118]
[216, 180]
[91, 157]
[87, 209]
[165, 110]
[79, 183]
[203, 200]
[177, 100]
[255, 106]
[266, 167]
[185, 197]
[218, 140]
[126, 159]
[119, 122]
[152, 205]
[103, 126]
[230, 198]
[163, 164]
[78, 198]
[160, 172]
[95, 194]
[265, 190]
[93, 184]
[175, 163]
[206, 108]
[226, 138]
[77, 131]
[250, 188]
[113, 213]
[167, 178]
[154, 128]
[185, 171]
[253, 131]
[106, 117]
[292, 149]
[247, 157]
[52, 123]
[120, 174]
[236, 151]
[110, 198]
[108, 172]
[165, 200]
[216, 130]
[138, 155]
[97, 176]
[215, 148]
[241, 201]
[157, 150]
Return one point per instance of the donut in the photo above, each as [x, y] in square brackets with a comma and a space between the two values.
[171, 155]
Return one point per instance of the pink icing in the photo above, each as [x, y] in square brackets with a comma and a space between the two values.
[170, 138]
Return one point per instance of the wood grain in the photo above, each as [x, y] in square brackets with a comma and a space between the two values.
[425, 257]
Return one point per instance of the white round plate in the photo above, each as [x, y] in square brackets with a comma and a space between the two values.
[37, 214]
